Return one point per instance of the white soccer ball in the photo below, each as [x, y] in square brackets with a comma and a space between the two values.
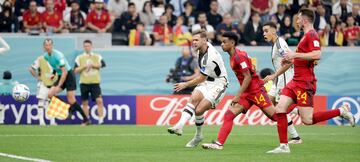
[21, 92]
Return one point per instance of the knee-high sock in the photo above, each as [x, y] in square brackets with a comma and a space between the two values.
[291, 128]
[282, 127]
[76, 107]
[325, 115]
[199, 121]
[226, 126]
[186, 114]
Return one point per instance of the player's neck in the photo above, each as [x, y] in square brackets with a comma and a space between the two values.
[232, 52]
[273, 40]
[203, 49]
[307, 28]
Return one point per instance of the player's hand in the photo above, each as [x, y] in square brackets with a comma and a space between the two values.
[269, 77]
[235, 100]
[179, 86]
[289, 55]
[57, 88]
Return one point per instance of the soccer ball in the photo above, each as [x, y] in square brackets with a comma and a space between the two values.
[21, 92]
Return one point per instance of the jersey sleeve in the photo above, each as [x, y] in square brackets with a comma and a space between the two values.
[313, 41]
[77, 62]
[283, 47]
[36, 64]
[61, 59]
[243, 63]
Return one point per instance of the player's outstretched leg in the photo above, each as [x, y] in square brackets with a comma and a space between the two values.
[199, 121]
[186, 114]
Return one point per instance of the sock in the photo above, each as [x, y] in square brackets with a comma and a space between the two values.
[226, 127]
[41, 115]
[282, 127]
[291, 108]
[291, 128]
[199, 121]
[187, 113]
[325, 115]
[76, 107]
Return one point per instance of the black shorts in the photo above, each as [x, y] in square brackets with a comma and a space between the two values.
[93, 89]
[69, 83]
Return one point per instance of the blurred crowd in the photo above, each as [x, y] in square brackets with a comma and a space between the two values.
[170, 22]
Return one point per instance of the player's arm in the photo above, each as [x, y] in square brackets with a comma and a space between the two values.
[77, 67]
[313, 55]
[199, 79]
[99, 65]
[5, 47]
[34, 73]
[245, 84]
[282, 70]
[196, 73]
[64, 73]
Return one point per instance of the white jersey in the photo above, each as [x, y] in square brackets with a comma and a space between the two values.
[212, 65]
[277, 54]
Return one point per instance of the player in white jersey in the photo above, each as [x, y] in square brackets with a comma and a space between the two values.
[211, 87]
[283, 73]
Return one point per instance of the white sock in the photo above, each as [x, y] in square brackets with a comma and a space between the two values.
[199, 121]
[186, 114]
[291, 128]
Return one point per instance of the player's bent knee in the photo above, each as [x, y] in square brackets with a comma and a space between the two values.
[307, 121]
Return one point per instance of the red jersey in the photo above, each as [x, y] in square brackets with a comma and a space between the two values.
[304, 69]
[158, 28]
[240, 62]
[31, 20]
[352, 31]
[99, 20]
[53, 19]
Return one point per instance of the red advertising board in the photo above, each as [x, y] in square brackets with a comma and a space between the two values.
[166, 110]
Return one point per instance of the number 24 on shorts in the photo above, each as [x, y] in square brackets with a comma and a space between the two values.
[302, 96]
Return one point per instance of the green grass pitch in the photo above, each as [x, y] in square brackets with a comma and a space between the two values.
[153, 143]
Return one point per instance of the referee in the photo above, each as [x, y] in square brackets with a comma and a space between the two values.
[88, 65]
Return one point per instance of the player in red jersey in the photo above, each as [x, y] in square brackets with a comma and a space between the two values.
[252, 91]
[301, 89]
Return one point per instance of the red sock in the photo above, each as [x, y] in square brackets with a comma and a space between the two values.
[291, 108]
[226, 126]
[282, 125]
[273, 117]
[325, 115]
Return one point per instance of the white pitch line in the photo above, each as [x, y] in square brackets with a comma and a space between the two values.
[160, 134]
[23, 157]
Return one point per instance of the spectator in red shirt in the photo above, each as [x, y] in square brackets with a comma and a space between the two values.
[52, 20]
[352, 32]
[75, 20]
[262, 7]
[98, 20]
[32, 18]
[162, 31]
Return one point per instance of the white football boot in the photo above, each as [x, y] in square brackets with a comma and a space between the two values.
[345, 112]
[283, 148]
[194, 142]
[174, 130]
[215, 145]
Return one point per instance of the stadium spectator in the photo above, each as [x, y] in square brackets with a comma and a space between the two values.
[352, 32]
[60, 5]
[341, 9]
[189, 14]
[116, 8]
[20, 7]
[213, 17]
[253, 31]
[262, 7]
[139, 36]
[128, 19]
[336, 36]
[98, 20]
[356, 14]
[203, 24]
[280, 14]
[225, 6]
[158, 3]
[75, 21]
[186, 68]
[32, 19]
[52, 20]
[241, 11]
[287, 31]
[162, 31]
[181, 33]
[332, 21]
[147, 15]
[324, 35]
[178, 5]
[321, 20]
[169, 9]
[226, 25]
[89, 65]
[8, 20]
[139, 4]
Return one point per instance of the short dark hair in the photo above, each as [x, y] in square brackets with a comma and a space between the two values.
[271, 24]
[131, 4]
[232, 36]
[7, 75]
[308, 13]
[202, 33]
[188, 3]
[265, 72]
[48, 40]
[87, 41]
[169, 6]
